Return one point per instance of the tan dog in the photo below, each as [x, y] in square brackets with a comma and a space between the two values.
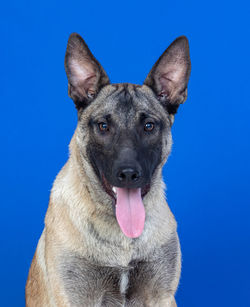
[110, 238]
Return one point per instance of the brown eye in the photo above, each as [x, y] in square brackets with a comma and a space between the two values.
[149, 126]
[103, 127]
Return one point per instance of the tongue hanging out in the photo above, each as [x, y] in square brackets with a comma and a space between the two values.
[130, 212]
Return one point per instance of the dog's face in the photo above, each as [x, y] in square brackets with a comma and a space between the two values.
[126, 128]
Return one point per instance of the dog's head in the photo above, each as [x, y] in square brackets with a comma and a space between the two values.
[124, 130]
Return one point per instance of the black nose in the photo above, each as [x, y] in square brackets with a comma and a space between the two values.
[128, 175]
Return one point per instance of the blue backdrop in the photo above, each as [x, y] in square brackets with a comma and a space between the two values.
[208, 172]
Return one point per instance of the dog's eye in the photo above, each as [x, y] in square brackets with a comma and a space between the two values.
[149, 126]
[103, 127]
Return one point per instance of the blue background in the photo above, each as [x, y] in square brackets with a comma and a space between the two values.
[208, 172]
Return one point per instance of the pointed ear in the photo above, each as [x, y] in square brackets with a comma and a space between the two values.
[170, 74]
[85, 75]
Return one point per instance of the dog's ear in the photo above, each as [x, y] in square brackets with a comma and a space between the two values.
[85, 75]
[170, 74]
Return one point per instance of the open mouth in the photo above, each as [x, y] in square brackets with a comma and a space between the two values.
[112, 191]
[129, 208]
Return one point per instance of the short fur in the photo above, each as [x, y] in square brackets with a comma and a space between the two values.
[83, 258]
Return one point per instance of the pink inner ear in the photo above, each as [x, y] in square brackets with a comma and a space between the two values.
[171, 77]
[83, 78]
[174, 72]
[81, 73]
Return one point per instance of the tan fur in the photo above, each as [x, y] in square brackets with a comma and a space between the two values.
[35, 288]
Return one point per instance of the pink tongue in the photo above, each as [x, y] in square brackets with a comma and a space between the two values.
[130, 212]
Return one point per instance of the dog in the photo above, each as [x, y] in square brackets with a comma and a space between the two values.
[110, 238]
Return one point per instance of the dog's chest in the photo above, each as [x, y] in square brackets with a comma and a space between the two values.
[104, 284]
